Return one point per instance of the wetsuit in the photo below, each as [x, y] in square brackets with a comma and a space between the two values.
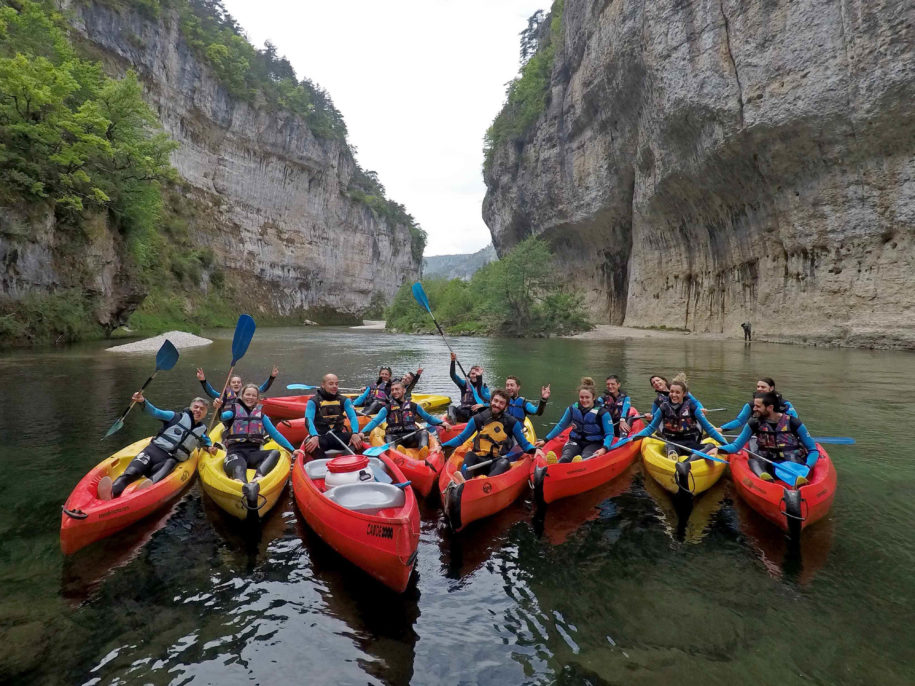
[246, 431]
[401, 418]
[783, 440]
[618, 407]
[177, 438]
[408, 389]
[682, 423]
[230, 396]
[471, 394]
[591, 431]
[326, 416]
[374, 397]
[495, 437]
[519, 407]
[747, 411]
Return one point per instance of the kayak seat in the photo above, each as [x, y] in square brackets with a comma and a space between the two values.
[317, 469]
[367, 497]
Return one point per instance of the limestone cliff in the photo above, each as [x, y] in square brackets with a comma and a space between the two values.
[704, 162]
[275, 198]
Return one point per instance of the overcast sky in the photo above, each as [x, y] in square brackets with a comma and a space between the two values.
[418, 83]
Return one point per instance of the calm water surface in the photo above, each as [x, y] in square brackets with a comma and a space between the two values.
[606, 589]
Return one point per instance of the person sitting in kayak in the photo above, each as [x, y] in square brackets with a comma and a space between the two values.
[680, 419]
[662, 392]
[375, 396]
[780, 437]
[592, 431]
[235, 384]
[409, 380]
[400, 413]
[247, 428]
[519, 407]
[182, 433]
[325, 414]
[764, 385]
[496, 434]
[474, 393]
[617, 403]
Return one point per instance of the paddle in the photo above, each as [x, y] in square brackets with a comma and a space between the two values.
[789, 472]
[375, 451]
[306, 387]
[244, 332]
[833, 440]
[420, 294]
[381, 476]
[165, 360]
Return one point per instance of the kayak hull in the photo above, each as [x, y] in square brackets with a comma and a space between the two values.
[420, 467]
[554, 481]
[227, 492]
[383, 545]
[86, 519]
[702, 474]
[480, 497]
[791, 510]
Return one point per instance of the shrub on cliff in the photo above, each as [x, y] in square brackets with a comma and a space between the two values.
[528, 94]
[518, 295]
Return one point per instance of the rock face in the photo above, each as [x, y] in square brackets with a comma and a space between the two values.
[461, 266]
[705, 162]
[282, 223]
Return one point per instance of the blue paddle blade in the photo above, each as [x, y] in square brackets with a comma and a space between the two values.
[420, 294]
[299, 387]
[381, 475]
[790, 472]
[376, 450]
[167, 356]
[837, 440]
[244, 332]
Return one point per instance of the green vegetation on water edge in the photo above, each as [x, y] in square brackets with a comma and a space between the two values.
[519, 295]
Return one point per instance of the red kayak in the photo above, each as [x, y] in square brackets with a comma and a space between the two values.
[291, 406]
[790, 509]
[86, 518]
[373, 525]
[481, 496]
[561, 480]
[296, 430]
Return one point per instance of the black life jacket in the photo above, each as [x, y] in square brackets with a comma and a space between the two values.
[247, 425]
[329, 415]
[494, 434]
[778, 441]
[586, 424]
[401, 416]
[679, 421]
[468, 399]
[380, 391]
[614, 405]
[180, 436]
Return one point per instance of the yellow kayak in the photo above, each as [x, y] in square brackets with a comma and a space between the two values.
[226, 491]
[701, 474]
[431, 402]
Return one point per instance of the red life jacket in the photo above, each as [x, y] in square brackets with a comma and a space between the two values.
[679, 421]
[246, 426]
[779, 440]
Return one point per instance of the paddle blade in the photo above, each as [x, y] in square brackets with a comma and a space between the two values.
[790, 472]
[381, 475]
[376, 450]
[299, 387]
[244, 332]
[166, 357]
[837, 440]
[420, 294]
[117, 426]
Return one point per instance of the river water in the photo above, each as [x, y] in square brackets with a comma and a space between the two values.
[605, 589]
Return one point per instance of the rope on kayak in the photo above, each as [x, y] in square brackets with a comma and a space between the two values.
[76, 514]
[260, 506]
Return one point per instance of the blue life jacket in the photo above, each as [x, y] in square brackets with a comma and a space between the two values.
[516, 408]
[586, 425]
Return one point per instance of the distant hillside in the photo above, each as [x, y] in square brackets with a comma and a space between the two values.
[458, 266]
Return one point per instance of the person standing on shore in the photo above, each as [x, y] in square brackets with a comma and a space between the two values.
[747, 331]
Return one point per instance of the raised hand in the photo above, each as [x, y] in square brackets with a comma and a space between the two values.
[200, 375]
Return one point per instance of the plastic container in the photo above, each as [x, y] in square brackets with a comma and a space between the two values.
[348, 469]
